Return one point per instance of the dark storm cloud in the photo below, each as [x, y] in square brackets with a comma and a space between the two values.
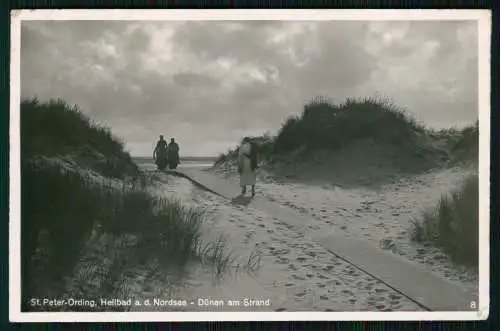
[209, 83]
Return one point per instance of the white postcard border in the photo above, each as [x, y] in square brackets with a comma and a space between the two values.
[484, 43]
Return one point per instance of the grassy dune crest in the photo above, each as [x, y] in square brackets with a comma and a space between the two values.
[361, 141]
[83, 199]
[55, 129]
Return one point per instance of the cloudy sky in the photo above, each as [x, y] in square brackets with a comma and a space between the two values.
[210, 83]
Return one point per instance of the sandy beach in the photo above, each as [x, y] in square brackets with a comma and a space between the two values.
[290, 271]
[294, 273]
[382, 217]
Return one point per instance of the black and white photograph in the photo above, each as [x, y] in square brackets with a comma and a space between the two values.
[249, 165]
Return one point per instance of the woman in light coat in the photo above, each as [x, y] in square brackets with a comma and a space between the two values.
[247, 164]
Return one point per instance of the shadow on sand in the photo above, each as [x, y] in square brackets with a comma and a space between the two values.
[241, 200]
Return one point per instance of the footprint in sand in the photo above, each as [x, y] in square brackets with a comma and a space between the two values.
[394, 296]
[302, 210]
[284, 250]
[282, 260]
[336, 282]
[360, 285]
[327, 268]
[379, 290]
[243, 226]
[300, 295]
[353, 273]
[311, 253]
[381, 307]
[368, 287]
[298, 277]
[281, 241]
[302, 259]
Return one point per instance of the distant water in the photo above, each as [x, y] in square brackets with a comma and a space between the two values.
[146, 163]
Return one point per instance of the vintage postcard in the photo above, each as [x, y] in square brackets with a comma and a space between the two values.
[191, 165]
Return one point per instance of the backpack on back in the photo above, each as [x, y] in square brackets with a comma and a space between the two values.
[253, 156]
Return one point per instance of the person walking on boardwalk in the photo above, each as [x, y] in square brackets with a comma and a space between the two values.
[247, 164]
[160, 154]
[173, 154]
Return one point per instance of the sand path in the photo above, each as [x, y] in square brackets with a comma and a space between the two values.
[295, 273]
[382, 217]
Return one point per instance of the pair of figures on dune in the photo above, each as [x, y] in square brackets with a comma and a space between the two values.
[166, 154]
[247, 165]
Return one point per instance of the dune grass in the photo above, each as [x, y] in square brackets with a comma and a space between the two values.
[62, 209]
[365, 140]
[325, 125]
[453, 225]
[70, 208]
[55, 128]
